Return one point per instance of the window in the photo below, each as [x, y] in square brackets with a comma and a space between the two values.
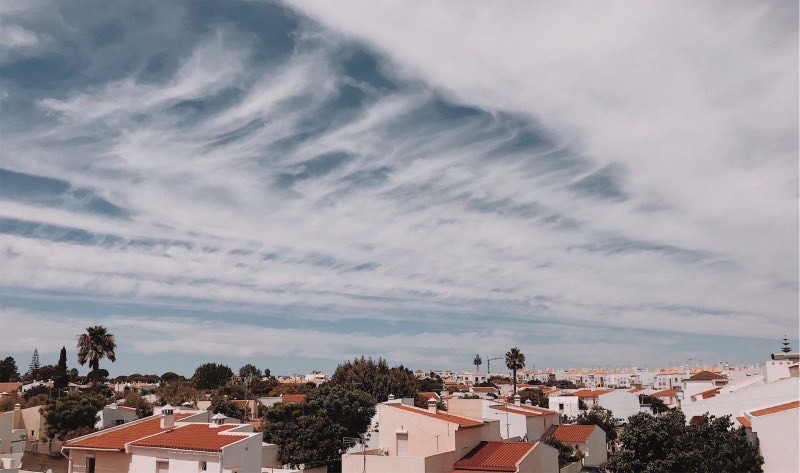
[561, 406]
[120, 421]
[203, 466]
[89, 464]
[162, 466]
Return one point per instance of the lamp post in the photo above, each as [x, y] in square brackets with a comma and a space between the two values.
[489, 365]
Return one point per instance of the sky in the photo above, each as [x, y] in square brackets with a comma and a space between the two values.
[601, 184]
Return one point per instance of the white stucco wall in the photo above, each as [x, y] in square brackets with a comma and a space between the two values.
[745, 399]
[778, 440]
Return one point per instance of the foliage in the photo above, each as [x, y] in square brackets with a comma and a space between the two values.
[536, 397]
[515, 360]
[291, 388]
[267, 373]
[561, 384]
[226, 408]
[312, 431]
[34, 365]
[262, 388]
[70, 413]
[566, 454]
[177, 392]
[211, 376]
[375, 378]
[657, 406]
[582, 405]
[40, 390]
[477, 361]
[94, 345]
[666, 444]
[169, 377]
[249, 372]
[600, 417]
[62, 375]
[427, 385]
[143, 408]
[8, 370]
[493, 380]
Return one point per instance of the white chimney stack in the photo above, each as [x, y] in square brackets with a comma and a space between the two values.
[167, 417]
[528, 402]
[218, 419]
[517, 399]
[433, 406]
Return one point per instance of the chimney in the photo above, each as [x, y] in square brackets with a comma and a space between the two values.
[217, 420]
[528, 402]
[17, 407]
[517, 399]
[167, 417]
[433, 406]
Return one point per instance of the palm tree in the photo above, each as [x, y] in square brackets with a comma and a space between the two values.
[515, 360]
[93, 346]
[477, 362]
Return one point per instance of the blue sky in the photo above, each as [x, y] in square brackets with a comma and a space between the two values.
[296, 184]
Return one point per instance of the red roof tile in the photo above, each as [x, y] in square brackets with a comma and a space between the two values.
[428, 396]
[665, 393]
[495, 456]
[527, 411]
[706, 376]
[709, 393]
[199, 437]
[744, 421]
[573, 433]
[775, 409]
[461, 421]
[9, 387]
[293, 398]
[115, 438]
[126, 409]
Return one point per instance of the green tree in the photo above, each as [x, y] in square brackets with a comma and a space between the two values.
[515, 360]
[211, 376]
[169, 377]
[71, 413]
[566, 454]
[62, 375]
[312, 431]
[427, 385]
[177, 392]
[600, 417]
[375, 378]
[249, 373]
[94, 345]
[34, 365]
[136, 401]
[657, 406]
[226, 408]
[536, 397]
[477, 361]
[8, 370]
[666, 444]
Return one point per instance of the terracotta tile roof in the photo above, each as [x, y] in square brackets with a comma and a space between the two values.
[461, 421]
[573, 433]
[709, 393]
[198, 437]
[480, 389]
[115, 438]
[635, 390]
[527, 411]
[706, 376]
[495, 456]
[293, 398]
[591, 392]
[775, 409]
[9, 387]
[744, 421]
[428, 396]
[664, 393]
[126, 409]
[244, 404]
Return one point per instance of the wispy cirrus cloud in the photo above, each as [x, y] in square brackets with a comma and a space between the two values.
[320, 170]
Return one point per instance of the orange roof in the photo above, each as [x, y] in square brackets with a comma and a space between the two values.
[199, 437]
[706, 376]
[775, 409]
[115, 438]
[665, 393]
[709, 393]
[293, 398]
[9, 387]
[428, 396]
[126, 409]
[744, 421]
[461, 421]
[573, 433]
[495, 456]
[514, 410]
[482, 389]
[635, 390]
[590, 392]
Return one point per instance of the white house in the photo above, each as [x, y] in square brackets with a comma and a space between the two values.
[517, 421]
[589, 439]
[564, 404]
[177, 442]
[113, 415]
[777, 428]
